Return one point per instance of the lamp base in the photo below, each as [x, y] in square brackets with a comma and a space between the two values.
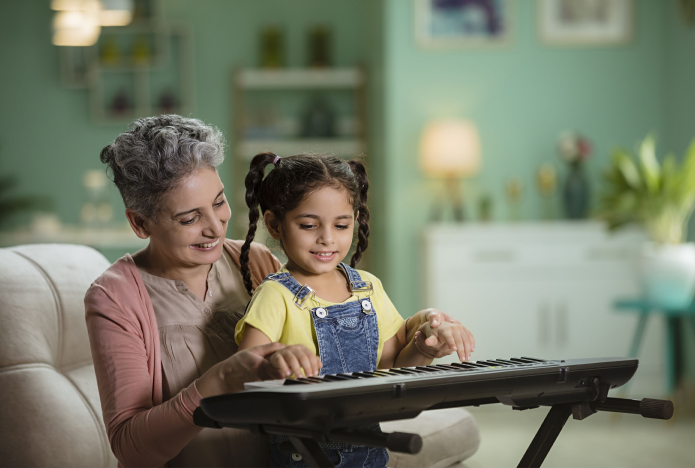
[453, 196]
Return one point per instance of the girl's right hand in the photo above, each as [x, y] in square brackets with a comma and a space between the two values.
[297, 360]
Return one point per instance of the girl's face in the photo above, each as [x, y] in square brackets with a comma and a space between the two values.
[317, 235]
[191, 229]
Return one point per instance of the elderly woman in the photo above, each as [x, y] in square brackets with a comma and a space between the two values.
[161, 322]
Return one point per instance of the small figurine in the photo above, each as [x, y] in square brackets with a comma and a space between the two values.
[272, 48]
[546, 180]
[514, 189]
[319, 42]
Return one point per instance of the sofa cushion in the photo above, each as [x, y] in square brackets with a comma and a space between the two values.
[51, 413]
[448, 436]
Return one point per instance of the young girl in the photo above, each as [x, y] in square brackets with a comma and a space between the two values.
[315, 302]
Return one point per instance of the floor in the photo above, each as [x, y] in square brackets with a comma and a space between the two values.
[602, 440]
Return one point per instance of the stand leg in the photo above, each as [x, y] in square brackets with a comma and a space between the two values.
[671, 356]
[546, 435]
[637, 337]
[311, 452]
[634, 348]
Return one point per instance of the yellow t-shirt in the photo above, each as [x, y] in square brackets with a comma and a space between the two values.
[272, 310]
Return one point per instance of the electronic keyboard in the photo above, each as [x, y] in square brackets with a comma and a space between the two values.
[331, 408]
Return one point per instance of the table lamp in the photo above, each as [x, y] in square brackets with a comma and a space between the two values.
[450, 150]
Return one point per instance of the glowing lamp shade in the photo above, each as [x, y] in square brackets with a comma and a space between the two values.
[116, 12]
[450, 149]
[77, 27]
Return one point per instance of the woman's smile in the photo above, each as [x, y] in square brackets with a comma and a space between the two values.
[207, 246]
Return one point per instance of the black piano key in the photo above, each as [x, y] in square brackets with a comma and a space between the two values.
[533, 359]
[505, 361]
[294, 382]
[334, 378]
[413, 370]
[364, 375]
[373, 373]
[316, 379]
[489, 363]
[428, 369]
[463, 365]
[402, 371]
[526, 360]
[384, 373]
[444, 367]
[476, 364]
[349, 376]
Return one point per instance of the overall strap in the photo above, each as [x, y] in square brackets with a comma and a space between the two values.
[301, 293]
[356, 282]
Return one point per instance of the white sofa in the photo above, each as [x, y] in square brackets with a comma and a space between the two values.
[51, 414]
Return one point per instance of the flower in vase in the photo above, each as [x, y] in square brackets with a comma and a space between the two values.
[573, 148]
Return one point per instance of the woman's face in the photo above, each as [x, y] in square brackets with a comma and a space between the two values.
[191, 229]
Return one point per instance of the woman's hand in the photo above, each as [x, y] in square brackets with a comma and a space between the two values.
[439, 335]
[294, 359]
[249, 365]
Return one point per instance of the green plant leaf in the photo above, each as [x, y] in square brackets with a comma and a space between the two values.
[627, 169]
[649, 164]
[688, 171]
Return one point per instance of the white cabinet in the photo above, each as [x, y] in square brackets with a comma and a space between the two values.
[542, 290]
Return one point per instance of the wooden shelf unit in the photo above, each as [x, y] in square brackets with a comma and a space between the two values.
[290, 80]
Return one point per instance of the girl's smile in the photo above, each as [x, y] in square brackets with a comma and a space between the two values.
[324, 256]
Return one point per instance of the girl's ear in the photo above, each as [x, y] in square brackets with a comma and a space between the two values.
[272, 224]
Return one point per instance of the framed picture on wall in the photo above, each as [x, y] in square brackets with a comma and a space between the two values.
[585, 22]
[462, 23]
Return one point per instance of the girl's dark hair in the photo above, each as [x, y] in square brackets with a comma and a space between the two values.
[292, 179]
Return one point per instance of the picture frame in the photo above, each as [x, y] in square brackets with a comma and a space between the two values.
[585, 22]
[450, 24]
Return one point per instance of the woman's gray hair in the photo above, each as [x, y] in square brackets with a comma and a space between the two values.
[152, 157]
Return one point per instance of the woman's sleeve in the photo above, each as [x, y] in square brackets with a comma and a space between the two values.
[140, 433]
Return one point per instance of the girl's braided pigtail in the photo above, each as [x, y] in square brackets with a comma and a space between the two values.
[363, 218]
[253, 189]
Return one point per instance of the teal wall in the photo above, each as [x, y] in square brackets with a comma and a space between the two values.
[48, 139]
[521, 97]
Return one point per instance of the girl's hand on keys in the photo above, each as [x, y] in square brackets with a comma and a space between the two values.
[444, 339]
[297, 360]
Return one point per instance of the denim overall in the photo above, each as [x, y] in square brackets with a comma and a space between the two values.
[348, 341]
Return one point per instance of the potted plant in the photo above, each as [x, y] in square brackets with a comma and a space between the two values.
[660, 197]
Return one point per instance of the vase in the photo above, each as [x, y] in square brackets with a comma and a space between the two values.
[668, 274]
[576, 194]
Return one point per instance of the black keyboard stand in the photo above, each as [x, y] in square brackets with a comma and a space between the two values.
[559, 413]
[306, 443]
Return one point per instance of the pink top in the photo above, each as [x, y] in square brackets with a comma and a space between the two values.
[125, 344]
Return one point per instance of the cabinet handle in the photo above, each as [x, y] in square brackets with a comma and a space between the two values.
[543, 324]
[561, 324]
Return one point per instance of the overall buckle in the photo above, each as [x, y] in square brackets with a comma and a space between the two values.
[367, 288]
[301, 302]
